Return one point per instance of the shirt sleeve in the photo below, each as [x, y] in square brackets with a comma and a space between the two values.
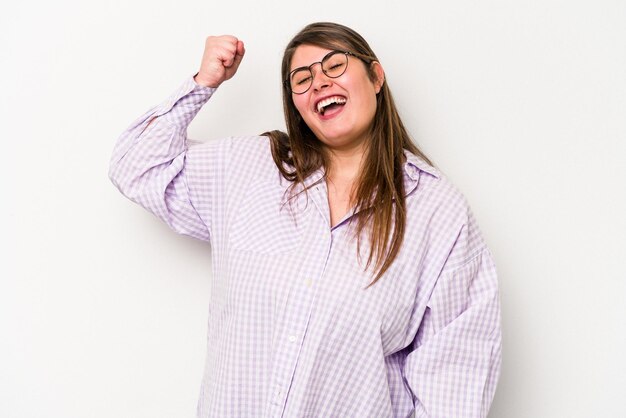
[149, 163]
[455, 364]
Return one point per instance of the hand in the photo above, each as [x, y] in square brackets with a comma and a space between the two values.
[222, 56]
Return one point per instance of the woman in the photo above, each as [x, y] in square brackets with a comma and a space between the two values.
[349, 276]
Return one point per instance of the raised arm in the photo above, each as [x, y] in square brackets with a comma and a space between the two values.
[220, 61]
[152, 164]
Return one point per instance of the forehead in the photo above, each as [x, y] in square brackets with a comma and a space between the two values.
[305, 55]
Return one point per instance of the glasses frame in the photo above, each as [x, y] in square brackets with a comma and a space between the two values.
[287, 82]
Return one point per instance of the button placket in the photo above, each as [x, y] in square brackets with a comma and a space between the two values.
[296, 320]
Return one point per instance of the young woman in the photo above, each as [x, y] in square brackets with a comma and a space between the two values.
[349, 276]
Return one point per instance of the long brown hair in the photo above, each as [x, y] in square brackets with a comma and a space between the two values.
[379, 196]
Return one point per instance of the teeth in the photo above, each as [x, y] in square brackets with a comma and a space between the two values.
[330, 100]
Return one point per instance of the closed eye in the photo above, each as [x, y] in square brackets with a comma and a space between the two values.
[303, 81]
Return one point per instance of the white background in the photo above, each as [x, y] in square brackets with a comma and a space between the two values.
[522, 103]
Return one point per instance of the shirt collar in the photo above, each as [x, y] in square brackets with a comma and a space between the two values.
[414, 164]
[412, 168]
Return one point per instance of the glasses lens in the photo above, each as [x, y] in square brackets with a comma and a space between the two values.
[300, 80]
[335, 64]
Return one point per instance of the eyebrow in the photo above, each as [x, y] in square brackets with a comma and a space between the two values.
[306, 67]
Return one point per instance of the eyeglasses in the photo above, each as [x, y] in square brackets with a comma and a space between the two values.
[334, 64]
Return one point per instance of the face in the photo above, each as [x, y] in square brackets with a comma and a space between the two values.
[344, 124]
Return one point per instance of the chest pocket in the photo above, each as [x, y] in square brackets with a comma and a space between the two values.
[262, 224]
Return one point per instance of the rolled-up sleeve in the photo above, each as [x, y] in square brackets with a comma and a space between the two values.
[150, 163]
[455, 364]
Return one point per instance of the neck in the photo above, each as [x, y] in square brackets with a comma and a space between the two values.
[345, 165]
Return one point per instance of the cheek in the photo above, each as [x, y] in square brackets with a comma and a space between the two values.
[300, 105]
[366, 98]
[373, 104]
[367, 106]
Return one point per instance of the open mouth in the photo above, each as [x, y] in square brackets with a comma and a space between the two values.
[329, 104]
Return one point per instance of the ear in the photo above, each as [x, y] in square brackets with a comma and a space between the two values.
[379, 75]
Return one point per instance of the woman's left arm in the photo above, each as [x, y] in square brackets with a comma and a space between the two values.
[454, 367]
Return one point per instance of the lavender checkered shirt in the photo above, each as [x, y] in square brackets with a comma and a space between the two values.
[292, 330]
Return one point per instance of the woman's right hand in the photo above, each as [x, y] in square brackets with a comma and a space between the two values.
[222, 56]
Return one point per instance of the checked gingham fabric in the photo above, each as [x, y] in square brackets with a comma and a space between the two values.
[292, 330]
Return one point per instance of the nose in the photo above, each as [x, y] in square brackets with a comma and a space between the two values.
[320, 79]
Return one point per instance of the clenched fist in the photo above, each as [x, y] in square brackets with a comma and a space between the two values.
[221, 58]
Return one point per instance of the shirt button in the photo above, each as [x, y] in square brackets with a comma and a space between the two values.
[292, 338]
[308, 282]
